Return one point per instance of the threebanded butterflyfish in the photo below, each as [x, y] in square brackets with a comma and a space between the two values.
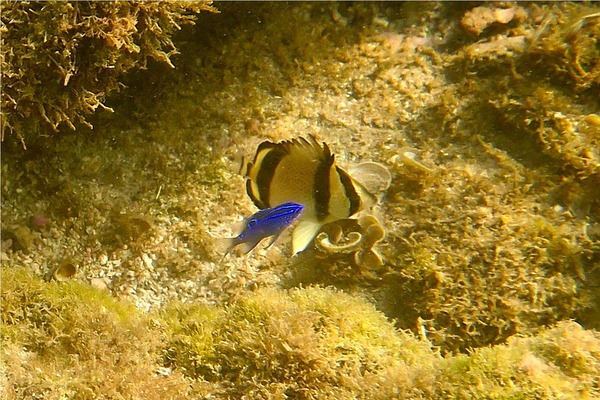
[269, 222]
[304, 172]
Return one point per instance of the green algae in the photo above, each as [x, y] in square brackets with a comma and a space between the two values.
[523, 369]
[71, 340]
[308, 343]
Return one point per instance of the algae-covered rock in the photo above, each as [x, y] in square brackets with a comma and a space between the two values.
[305, 344]
[540, 80]
[562, 362]
[71, 340]
[567, 43]
[496, 240]
[61, 59]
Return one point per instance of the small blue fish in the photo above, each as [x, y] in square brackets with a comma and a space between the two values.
[264, 223]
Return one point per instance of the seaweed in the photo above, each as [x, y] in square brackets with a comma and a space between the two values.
[68, 339]
[491, 221]
[60, 60]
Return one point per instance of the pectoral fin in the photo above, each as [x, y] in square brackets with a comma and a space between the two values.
[303, 234]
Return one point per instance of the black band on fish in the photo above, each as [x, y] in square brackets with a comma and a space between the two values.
[350, 191]
[265, 174]
[322, 189]
[257, 202]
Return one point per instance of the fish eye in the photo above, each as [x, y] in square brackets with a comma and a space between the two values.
[252, 223]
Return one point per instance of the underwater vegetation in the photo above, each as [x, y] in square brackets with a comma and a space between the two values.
[494, 232]
[477, 276]
[61, 59]
[539, 101]
[70, 340]
[551, 64]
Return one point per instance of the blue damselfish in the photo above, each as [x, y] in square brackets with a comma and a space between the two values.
[269, 222]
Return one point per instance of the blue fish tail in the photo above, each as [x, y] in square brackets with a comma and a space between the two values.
[224, 245]
[246, 247]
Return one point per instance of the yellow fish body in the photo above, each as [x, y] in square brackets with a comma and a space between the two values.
[304, 172]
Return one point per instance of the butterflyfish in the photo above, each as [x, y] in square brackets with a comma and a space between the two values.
[269, 222]
[304, 172]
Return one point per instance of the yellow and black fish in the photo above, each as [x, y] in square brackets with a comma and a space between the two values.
[304, 172]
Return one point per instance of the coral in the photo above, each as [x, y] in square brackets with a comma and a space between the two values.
[61, 59]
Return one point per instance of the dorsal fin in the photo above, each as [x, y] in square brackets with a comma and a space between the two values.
[269, 155]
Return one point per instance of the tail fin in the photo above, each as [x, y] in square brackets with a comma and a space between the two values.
[375, 178]
[224, 246]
